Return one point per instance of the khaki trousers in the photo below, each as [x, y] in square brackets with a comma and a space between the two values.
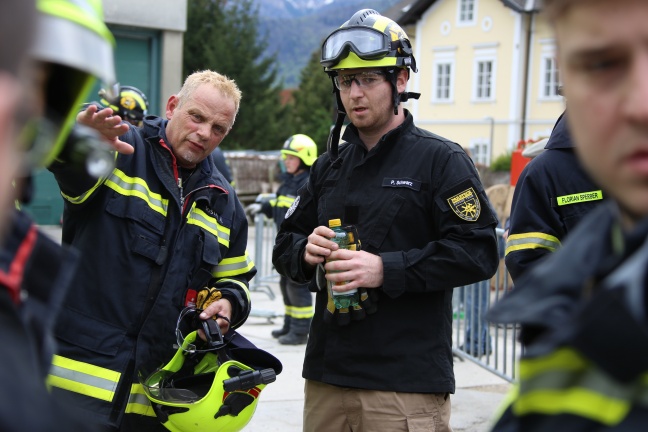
[329, 408]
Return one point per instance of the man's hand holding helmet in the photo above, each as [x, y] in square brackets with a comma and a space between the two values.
[215, 307]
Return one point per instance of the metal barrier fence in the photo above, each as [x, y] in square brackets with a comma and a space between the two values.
[493, 347]
[264, 234]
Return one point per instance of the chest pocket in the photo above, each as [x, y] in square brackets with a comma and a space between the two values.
[572, 214]
[215, 231]
[145, 225]
[382, 222]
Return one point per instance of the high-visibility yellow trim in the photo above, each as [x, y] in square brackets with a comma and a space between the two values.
[283, 201]
[138, 402]
[83, 378]
[532, 240]
[209, 223]
[580, 197]
[239, 283]
[565, 359]
[90, 17]
[576, 401]
[137, 188]
[300, 312]
[233, 266]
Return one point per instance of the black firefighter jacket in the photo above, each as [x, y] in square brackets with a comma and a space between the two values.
[584, 321]
[417, 201]
[552, 195]
[144, 241]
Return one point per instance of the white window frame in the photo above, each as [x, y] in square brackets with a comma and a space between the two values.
[548, 58]
[483, 58]
[443, 59]
[480, 149]
[461, 22]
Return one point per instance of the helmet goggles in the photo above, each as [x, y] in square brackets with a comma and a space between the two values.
[366, 42]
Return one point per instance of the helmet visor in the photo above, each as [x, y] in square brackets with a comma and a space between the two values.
[165, 386]
[366, 42]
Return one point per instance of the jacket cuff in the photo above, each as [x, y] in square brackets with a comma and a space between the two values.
[394, 276]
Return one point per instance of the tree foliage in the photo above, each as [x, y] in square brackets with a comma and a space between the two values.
[223, 36]
[313, 110]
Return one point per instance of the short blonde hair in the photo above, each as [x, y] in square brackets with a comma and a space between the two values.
[225, 85]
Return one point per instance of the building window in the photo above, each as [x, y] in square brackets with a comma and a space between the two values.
[550, 79]
[484, 80]
[480, 151]
[443, 81]
[466, 11]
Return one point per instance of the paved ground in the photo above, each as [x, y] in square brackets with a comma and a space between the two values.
[479, 392]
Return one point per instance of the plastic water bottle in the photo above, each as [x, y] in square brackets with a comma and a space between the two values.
[345, 238]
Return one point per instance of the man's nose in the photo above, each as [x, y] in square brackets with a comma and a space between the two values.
[636, 104]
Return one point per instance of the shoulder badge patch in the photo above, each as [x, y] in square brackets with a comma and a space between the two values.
[292, 208]
[466, 205]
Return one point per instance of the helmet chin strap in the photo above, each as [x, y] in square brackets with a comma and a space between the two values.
[334, 136]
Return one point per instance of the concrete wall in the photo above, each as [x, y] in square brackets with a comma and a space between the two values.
[167, 16]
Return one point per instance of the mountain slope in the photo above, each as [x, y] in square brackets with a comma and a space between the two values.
[296, 28]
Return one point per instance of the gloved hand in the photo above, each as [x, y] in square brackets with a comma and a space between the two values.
[207, 296]
[253, 209]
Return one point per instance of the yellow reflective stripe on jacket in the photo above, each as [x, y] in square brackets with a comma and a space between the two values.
[300, 312]
[233, 266]
[240, 284]
[83, 378]
[564, 382]
[84, 196]
[533, 240]
[199, 218]
[284, 201]
[138, 402]
[137, 188]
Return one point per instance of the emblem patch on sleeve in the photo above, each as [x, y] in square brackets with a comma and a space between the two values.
[466, 205]
[292, 208]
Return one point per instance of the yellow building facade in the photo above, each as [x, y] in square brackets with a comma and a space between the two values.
[486, 73]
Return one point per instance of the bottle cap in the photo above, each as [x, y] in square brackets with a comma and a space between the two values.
[335, 223]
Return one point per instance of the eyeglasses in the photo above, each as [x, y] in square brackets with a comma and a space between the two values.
[366, 42]
[365, 80]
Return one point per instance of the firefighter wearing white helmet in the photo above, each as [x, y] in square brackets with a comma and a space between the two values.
[37, 271]
[425, 226]
[298, 152]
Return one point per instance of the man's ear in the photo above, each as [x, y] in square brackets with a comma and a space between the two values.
[401, 80]
[171, 106]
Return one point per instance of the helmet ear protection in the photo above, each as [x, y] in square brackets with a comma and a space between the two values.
[209, 385]
[366, 40]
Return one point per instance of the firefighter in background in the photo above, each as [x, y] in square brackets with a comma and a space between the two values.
[129, 103]
[552, 195]
[583, 310]
[298, 153]
[71, 48]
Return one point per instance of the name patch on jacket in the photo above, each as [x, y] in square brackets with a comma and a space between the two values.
[402, 182]
[579, 197]
[466, 205]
